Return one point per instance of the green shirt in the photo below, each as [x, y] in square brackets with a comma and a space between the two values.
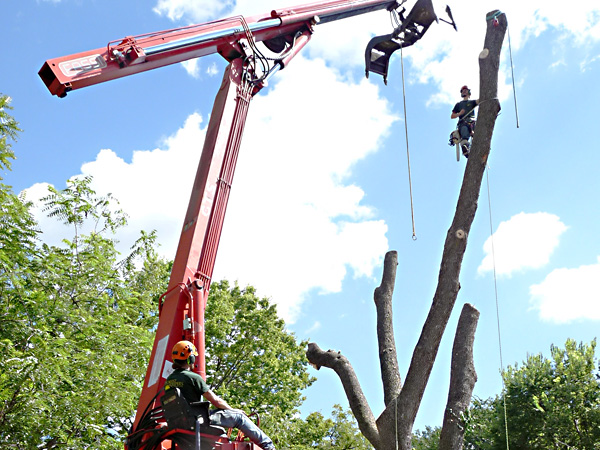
[191, 385]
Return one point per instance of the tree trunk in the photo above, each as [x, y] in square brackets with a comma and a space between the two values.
[388, 359]
[396, 422]
[462, 380]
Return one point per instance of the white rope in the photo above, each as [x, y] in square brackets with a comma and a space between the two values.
[412, 209]
[512, 74]
[497, 308]
[396, 420]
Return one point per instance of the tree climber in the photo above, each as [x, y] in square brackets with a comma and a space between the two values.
[464, 110]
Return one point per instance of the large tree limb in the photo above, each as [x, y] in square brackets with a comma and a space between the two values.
[388, 359]
[356, 398]
[462, 380]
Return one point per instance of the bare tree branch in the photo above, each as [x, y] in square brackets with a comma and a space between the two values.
[356, 398]
[462, 380]
[388, 360]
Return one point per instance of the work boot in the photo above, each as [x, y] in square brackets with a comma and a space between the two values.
[465, 150]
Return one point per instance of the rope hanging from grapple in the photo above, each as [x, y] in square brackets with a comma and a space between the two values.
[412, 208]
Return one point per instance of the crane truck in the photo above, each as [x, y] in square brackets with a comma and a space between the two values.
[283, 32]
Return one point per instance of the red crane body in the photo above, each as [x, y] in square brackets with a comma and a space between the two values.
[282, 31]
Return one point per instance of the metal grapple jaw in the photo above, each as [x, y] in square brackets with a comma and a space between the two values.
[410, 29]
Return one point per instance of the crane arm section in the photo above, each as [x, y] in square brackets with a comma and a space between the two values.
[135, 54]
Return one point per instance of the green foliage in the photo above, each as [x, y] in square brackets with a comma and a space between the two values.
[9, 129]
[78, 204]
[427, 439]
[551, 403]
[251, 360]
[255, 364]
[316, 432]
[75, 323]
[485, 425]
[344, 433]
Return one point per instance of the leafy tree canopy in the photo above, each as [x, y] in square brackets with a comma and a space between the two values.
[9, 129]
[74, 323]
[550, 403]
[316, 432]
[251, 360]
[427, 439]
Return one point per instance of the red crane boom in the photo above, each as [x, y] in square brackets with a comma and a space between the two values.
[135, 54]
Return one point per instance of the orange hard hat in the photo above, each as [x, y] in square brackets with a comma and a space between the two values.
[183, 350]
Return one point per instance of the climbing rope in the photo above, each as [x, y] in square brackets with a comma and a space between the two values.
[494, 17]
[396, 419]
[497, 307]
[512, 74]
[412, 208]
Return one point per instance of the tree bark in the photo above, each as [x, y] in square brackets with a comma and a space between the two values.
[356, 398]
[396, 422]
[388, 359]
[462, 380]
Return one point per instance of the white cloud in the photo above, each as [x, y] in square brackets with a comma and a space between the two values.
[295, 222]
[585, 65]
[525, 241]
[580, 22]
[566, 295]
[315, 327]
[212, 70]
[153, 188]
[192, 67]
[192, 10]
[291, 192]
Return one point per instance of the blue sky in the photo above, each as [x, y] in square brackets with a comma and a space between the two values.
[321, 188]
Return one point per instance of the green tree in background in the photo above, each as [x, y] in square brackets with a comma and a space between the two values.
[555, 402]
[485, 424]
[343, 433]
[251, 360]
[75, 321]
[551, 403]
[9, 130]
[259, 366]
[426, 440]
[317, 432]
[76, 328]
